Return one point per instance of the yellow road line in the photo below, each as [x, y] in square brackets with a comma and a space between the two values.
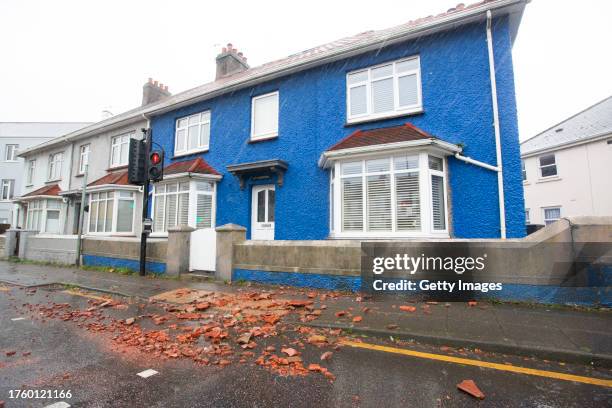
[477, 363]
[84, 294]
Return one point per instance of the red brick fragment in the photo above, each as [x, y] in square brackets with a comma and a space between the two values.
[469, 386]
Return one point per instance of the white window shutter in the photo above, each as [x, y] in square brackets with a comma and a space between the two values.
[183, 209]
[352, 204]
[265, 115]
[437, 202]
[382, 95]
[160, 209]
[379, 203]
[358, 100]
[171, 210]
[408, 203]
[408, 90]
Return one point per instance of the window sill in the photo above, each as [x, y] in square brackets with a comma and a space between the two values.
[53, 181]
[366, 236]
[11, 161]
[189, 153]
[371, 118]
[79, 175]
[121, 167]
[548, 179]
[262, 139]
[526, 183]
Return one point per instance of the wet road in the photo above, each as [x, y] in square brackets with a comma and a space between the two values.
[51, 354]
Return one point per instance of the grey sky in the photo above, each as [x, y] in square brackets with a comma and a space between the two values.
[68, 60]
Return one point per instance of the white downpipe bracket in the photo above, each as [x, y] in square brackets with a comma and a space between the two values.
[476, 162]
[500, 172]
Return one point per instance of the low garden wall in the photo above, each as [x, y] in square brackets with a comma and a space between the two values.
[124, 253]
[60, 249]
[539, 268]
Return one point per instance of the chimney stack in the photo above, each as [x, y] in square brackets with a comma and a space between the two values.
[230, 62]
[154, 91]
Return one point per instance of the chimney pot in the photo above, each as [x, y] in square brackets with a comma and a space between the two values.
[155, 83]
[153, 91]
[230, 62]
[150, 80]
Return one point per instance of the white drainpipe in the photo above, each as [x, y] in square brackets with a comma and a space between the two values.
[500, 172]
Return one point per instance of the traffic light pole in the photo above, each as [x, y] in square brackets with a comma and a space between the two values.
[145, 202]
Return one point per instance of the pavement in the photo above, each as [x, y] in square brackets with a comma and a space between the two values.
[555, 333]
[39, 352]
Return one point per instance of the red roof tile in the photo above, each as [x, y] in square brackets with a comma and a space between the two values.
[362, 138]
[51, 190]
[197, 165]
[116, 177]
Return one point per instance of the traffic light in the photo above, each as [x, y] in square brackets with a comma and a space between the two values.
[156, 165]
[136, 162]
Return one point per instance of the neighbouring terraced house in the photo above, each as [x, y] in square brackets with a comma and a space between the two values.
[14, 138]
[406, 132]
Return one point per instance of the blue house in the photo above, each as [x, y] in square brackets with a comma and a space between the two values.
[407, 132]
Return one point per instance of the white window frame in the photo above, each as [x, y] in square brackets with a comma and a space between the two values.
[524, 171]
[42, 209]
[55, 166]
[31, 171]
[84, 157]
[119, 142]
[548, 221]
[269, 135]
[193, 196]
[527, 216]
[425, 197]
[12, 149]
[555, 165]
[203, 118]
[7, 187]
[95, 196]
[397, 110]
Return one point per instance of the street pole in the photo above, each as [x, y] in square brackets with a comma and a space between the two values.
[145, 202]
[81, 215]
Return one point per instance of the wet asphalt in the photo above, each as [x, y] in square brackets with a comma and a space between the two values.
[63, 356]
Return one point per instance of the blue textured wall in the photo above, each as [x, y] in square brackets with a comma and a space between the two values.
[457, 108]
[93, 260]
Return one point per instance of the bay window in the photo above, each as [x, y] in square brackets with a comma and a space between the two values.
[188, 202]
[385, 90]
[44, 216]
[402, 194]
[111, 212]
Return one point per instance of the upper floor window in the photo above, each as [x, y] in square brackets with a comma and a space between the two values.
[527, 221]
[55, 166]
[6, 189]
[192, 133]
[120, 146]
[31, 170]
[548, 165]
[264, 116]
[523, 170]
[10, 152]
[384, 90]
[83, 158]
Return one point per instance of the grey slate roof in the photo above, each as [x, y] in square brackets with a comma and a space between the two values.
[592, 122]
[39, 129]
[333, 51]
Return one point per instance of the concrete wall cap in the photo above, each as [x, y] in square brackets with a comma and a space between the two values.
[230, 227]
[181, 228]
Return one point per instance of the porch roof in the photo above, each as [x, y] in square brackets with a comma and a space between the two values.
[116, 177]
[244, 170]
[197, 165]
[50, 190]
[388, 138]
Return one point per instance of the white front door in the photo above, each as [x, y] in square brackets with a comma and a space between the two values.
[262, 215]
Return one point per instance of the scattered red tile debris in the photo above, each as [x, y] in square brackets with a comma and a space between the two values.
[472, 303]
[470, 387]
[326, 356]
[10, 353]
[357, 319]
[407, 308]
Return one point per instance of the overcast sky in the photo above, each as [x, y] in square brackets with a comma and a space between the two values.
[69, 60]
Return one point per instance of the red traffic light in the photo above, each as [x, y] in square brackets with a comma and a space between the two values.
[155, 158]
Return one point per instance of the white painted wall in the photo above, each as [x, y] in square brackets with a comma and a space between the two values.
[583, 185]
